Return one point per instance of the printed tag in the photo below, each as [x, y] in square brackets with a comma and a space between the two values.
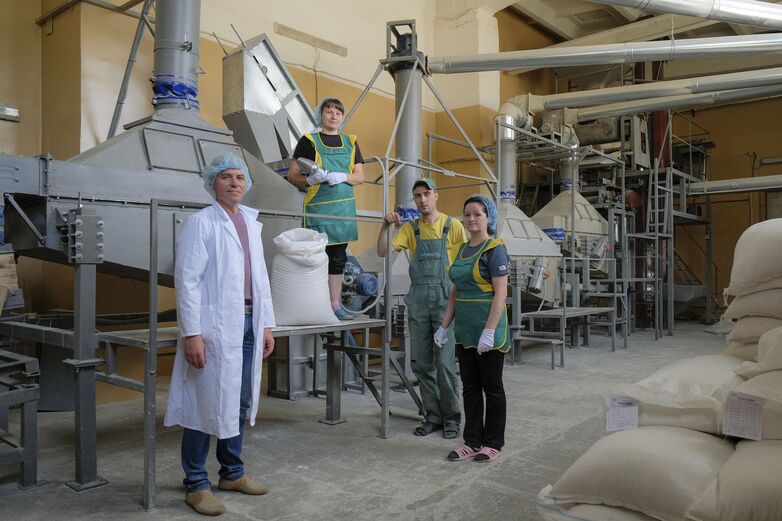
[622, 414]
[741, 416]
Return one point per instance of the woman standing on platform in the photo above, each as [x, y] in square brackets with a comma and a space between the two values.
[477, 307]
[330, 189]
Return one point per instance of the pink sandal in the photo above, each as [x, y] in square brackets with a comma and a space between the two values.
[464, 452]
[487, 454]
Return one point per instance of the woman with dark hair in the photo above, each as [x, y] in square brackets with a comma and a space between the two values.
[330, 189]
[476, 306]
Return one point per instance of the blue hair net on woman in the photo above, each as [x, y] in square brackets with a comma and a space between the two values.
[489, 206]
[319, 110]
[220, 164]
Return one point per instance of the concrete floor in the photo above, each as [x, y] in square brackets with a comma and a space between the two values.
[321, 472]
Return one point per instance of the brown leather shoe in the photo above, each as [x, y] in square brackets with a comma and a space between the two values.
[245, 485]
[205, 502]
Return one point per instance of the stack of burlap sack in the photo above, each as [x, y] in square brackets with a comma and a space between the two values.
[678, 464]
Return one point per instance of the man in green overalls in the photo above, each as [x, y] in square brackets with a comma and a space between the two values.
[330, 189]
[432, 241]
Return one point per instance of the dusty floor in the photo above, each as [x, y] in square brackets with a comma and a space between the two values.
[321, 472]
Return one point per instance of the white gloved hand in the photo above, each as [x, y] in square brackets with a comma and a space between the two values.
[486, 343]
[317, 176]
[335, 178]
[440, 336]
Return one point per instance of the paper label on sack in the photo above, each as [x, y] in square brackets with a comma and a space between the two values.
[622, 414]
[742, 416]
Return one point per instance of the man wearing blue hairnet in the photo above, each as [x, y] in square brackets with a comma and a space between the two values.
[225, 316]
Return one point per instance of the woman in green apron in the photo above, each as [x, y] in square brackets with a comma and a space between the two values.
[330, 189]
[477, 307]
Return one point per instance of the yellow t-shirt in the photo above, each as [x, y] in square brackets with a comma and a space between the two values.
[405, 239]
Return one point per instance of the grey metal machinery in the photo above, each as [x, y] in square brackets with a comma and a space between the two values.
[19, 387]
[93, 210]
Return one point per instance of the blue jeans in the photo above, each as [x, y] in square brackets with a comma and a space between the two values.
[195, 444]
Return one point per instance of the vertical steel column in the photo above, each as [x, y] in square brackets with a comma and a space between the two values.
[710, 286]
[150, 365]
[409, 134]
[669, 249]
[385, 387]
[84, 344]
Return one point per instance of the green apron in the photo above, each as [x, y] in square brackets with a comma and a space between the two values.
[332, 200]
[474, 295]
[434, 367]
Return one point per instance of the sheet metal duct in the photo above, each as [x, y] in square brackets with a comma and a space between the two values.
[670, 102]
[262, 103]
[747, 12]
[631, 52]
[525, 241]
[737, 80]
[727, 186]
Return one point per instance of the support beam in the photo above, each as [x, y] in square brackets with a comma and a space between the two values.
[542, 12]
[748, 12]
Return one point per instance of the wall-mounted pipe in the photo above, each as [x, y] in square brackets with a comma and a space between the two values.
[631, 52]
[726, 186]
[669, 102]
[747, 12]
[736, 80]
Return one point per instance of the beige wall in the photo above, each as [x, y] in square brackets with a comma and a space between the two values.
[737, 130]
[20, 81]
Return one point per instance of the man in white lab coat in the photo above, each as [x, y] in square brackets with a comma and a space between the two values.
[225, 316]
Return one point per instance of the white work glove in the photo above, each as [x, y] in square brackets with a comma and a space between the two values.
[317, 176]
[486, 343]
[335, 178]
[440, 336]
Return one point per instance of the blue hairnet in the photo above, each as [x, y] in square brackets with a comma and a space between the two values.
[319, 111]
[491, 210]
[222, 163]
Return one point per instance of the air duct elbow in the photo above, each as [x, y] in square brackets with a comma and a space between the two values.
[514, 112]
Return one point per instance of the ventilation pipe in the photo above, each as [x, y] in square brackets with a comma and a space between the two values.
[175, 83]
[513, 112]
[737, 80]
[670, 102]
[630, 52]
[727, 186]
[747, 12]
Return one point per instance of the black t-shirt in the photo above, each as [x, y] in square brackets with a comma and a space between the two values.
[305, 148]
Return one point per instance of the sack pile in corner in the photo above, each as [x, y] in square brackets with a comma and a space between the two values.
[677, 465]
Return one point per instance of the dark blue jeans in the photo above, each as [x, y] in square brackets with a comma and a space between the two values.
[195, 444]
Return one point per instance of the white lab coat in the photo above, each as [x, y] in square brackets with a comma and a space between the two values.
[209, 282]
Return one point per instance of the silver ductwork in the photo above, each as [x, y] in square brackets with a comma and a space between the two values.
[737, 80]
[262, 103]
[631, 52]
[726, 186]
[670, 102]
[505, 158]
[747, 12]
[175, 80]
